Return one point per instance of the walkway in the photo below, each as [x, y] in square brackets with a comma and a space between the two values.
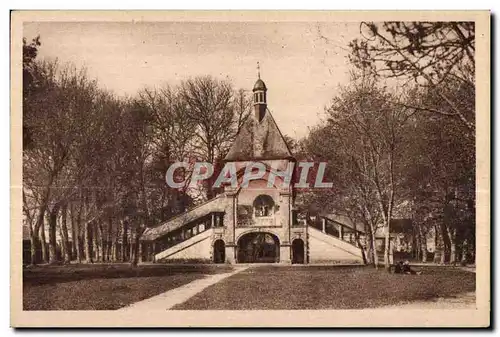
[179, 295]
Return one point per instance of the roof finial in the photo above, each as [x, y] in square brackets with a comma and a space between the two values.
[258, 69]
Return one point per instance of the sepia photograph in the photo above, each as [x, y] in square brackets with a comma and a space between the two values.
[250, 168]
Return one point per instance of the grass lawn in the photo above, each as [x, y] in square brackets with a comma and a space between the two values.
[104, 287]
[328, 287]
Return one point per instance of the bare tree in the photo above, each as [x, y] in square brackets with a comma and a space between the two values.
[210, 105]
[433, 55]
[365, 128]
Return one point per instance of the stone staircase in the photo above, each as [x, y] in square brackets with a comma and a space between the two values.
[185, 236]
[330, 241]
[191, 248]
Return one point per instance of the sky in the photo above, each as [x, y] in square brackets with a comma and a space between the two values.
[301, 68]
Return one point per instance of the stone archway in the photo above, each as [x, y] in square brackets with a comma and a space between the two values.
[258, 247]
[298, 252]
[219, 251]
[263, 206]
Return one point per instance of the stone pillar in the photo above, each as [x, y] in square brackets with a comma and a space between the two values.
[229, 223]
[323, 225]
[229, 220]
[341, 232]
[286, 216]
[285, 254]
[231, 254]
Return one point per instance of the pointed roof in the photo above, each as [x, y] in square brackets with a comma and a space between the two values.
[267, 133]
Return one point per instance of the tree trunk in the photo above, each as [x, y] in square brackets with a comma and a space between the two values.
[124, 241]
[372, 238]
[153, 249]
[114, 248]
[416, 242]
[387, 241]
[423, 250]
[95, 241]
[78, 241]
[33, 246]
[374, 248]
[443, 256]
[72, 229]
[423, 244]
[463, 260]
[368, 245]
[33, 242]
[87, 239]
[133, 248]
[43, 243]
[109, 236]
[52, 234]
[438, 249]
[445, 242]
[64, 235]
[136, 246]
[452, 235]
[415, 246]
[443, 245]
[369, 252]
[100, 241]
[453, 252]
[39, 232]
[114, 251]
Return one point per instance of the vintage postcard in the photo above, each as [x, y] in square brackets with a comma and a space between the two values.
[259, 168]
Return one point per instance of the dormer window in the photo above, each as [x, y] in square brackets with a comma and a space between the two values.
[263, 206]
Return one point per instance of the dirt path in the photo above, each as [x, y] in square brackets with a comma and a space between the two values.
[167, 300]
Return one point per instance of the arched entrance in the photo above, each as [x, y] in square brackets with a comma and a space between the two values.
[260, 247]
[219, 251]
[298, 255]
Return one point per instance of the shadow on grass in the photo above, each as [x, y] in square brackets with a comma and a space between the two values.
[46, 274]
[105, 286]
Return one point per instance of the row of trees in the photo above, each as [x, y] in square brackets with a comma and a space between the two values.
[94, 164]
[400, 138]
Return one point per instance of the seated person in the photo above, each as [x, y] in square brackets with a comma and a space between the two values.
[404, 268]
[398, 268]
[407, 269]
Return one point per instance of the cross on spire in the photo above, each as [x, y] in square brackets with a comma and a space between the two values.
[258, 69]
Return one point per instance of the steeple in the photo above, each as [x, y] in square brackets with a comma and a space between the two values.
[259, 97]
[259, 138]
